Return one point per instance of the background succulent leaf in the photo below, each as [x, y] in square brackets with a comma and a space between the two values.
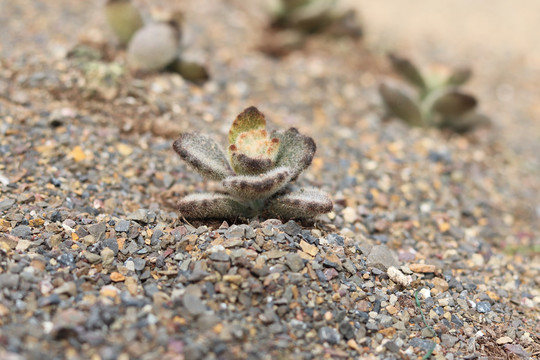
[406, 69]
[249, 119]
[454, 103]
[190, 70]
[247, 165]
[399, 104]
[123, 18]
[304, 203]
[211, 205]
[295, 152]
[257, 186]
[465, 123]
[204, 155]
[311, 17]
[459, 76]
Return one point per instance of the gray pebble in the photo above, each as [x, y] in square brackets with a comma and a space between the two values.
[6, 204]
[155, 237]
[122, 226]
[193, 304]
[456, 321]
[140, 215]
[235, 231]
[250, 232]
[349, 266]
[139, 264]
[336, 240]
[483, 307]
[294, 262]
[9, 281]
[291, 228]
[425, 345]
[53, 299]
[22, 231]
[381, 257]
[346, 329]
[330, 335]
[219, 256]
[392, 346]
[111, 244]
[151, 289]
[97, 230]
[448, 340]
[91, 257]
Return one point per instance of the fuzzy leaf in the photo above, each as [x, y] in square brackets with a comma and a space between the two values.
[249, 119]
[204, 155]
[399, 104]
[257, 186]
[459, 76]
[406, 69]
[296, 151]
[465, 123]
[247, 165]
[304, 203]
[454, 104]
[211, 205]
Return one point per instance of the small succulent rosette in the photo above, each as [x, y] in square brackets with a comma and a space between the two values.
[254, 173]
[434, 100]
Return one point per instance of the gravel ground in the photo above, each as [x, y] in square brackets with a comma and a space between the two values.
[432, 245]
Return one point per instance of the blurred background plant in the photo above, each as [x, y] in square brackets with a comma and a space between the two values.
[152, 43]
[432, 98]
[293, 21]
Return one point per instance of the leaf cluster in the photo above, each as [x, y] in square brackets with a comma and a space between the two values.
[431, 100]
[254, 172]
[148, 49]
[293, 21]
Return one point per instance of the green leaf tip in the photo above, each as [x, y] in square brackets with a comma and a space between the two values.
[249, 119]
[124, 19]
[459, 76]
[406, 69]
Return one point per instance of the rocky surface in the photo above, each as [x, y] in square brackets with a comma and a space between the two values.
[432, 246]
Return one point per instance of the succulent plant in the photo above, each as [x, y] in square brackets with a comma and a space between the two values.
[313, 16]
[297, 19]
[101, 79]
[254, 173]
[435, 100]
[156, 46]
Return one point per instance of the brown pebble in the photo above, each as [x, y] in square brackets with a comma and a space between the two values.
[117, 277]
[422, 268]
